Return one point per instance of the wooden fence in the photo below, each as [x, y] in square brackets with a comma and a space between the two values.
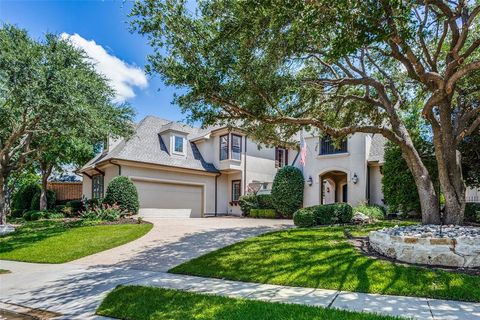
[66, 190]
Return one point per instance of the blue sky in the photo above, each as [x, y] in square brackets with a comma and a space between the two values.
[105, 23]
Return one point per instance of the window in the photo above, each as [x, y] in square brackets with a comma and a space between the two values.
[97, 186]
[236, 190]
[328, 146]
[236, 147]
[178, 144]
[224, 147]
[281, 157]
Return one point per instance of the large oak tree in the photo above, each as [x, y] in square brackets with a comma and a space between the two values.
[341, 67]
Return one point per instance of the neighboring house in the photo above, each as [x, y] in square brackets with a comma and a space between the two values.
[346, 171]
[185, 170]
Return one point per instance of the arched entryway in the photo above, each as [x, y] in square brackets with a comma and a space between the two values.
[333, 187]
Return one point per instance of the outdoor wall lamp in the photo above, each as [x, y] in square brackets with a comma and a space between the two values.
[310, 181]
[355, 178]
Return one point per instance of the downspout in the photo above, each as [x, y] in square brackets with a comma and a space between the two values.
[116, 164]
[216, 193]
[245, 169]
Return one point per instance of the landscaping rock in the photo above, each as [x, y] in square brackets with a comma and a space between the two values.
[360, 218]
[454, 246]
[6, 229]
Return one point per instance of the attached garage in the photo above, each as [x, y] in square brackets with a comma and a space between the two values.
[169, 199]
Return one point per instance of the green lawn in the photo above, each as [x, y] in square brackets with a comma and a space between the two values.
[51, 241]
[322, 258]
[3, 271]
[147, 303]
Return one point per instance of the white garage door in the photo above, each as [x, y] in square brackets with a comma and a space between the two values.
[169, 200]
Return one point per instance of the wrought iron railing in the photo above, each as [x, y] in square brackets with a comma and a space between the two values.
[328, 146]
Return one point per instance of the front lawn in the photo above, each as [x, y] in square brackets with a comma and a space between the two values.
[3, 271]
[147, 303]
[323, 258]
[54, 241]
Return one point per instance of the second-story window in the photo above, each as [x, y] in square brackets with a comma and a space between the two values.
[329, 146]
[236, 147]
[281, 157]
[224, 147]
[178, 144]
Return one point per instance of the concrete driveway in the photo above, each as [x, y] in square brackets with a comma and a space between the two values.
[75, 289]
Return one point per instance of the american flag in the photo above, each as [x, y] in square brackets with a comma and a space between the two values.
[303, 149]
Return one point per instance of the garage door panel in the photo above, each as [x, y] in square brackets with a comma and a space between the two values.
[170, 196]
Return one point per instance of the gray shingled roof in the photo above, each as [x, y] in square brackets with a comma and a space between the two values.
[377, 148]
[147, 146]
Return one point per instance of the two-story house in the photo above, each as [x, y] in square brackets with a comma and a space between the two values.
[181, 170]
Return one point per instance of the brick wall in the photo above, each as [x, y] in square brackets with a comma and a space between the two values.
[66, 190]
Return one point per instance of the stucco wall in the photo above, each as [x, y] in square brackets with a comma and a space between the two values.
[376, 194]
[353, 162]
[86, 187]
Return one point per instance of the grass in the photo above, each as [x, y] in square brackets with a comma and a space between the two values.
[54, 241]
[3, 271]
[147, 303]
[323, 258]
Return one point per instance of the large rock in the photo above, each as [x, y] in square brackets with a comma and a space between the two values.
[6, 229]
[453, 246]
[360, 218]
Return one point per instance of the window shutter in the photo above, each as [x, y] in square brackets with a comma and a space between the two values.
[286, 157]
[277, 164]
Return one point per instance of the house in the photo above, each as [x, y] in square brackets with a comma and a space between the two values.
[182, 170]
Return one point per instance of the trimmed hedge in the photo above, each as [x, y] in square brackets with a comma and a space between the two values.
[264, 201]
[472, 212]
[304, 217]
[263, 213]
[324, 214]
[122, 191]
[287, 191]
[247, 203]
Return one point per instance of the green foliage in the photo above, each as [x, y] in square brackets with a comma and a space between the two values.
[471, 159]
[122, 191]
[343, 211]
[263, 213]
[304, 218]
[325, 215]
[51, 198]
[287, 190]
[472, 212]
[22, 200]
[374, 211]
[264, 201]
[33, 215]
[398, 186]
[76, 205]
[104, 213]
[247, 203]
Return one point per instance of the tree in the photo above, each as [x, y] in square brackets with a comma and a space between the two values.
[46, 87]
[341, 67]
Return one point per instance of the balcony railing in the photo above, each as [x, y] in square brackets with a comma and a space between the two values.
[328, 146]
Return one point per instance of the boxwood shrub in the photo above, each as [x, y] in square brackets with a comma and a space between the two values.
[325, 214]
[247, 203]
[122, 191]
[264, 201]
[304, 217]
[263, 213]
[287, 191]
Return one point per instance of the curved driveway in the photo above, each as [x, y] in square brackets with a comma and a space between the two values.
[75, 289]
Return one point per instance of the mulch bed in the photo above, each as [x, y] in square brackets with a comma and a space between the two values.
[363, 246]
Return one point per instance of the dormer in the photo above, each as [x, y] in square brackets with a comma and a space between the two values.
[174, 136]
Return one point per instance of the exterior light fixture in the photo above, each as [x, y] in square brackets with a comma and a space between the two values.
[355, 178]
[310, 181]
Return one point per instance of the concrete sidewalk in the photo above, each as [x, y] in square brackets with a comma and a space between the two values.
[409, 307]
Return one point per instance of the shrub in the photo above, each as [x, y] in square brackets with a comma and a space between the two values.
[247, 203]
[472, 212]
[22, 200]
[375, 211]
[94, 202]
[51, 198]
[325, 214]
[104, 213]
[343, 212]
[32, 215]
[54, 215]
[263, 213]
[304, 217]
[264, 201]
[122, 191]
[75, 205]
[287, 191]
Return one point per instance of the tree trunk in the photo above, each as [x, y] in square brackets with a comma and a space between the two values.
[46, 170]
[3, 201]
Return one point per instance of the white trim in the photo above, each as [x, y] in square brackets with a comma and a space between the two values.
[172, 145]
[187, 183]
[333, 155]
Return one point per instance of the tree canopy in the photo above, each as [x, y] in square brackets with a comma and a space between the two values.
[341, 67]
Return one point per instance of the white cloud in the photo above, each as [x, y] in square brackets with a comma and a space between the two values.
[123, 77]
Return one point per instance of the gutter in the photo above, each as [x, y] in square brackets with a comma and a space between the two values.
[116, 164]
[216, 193]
